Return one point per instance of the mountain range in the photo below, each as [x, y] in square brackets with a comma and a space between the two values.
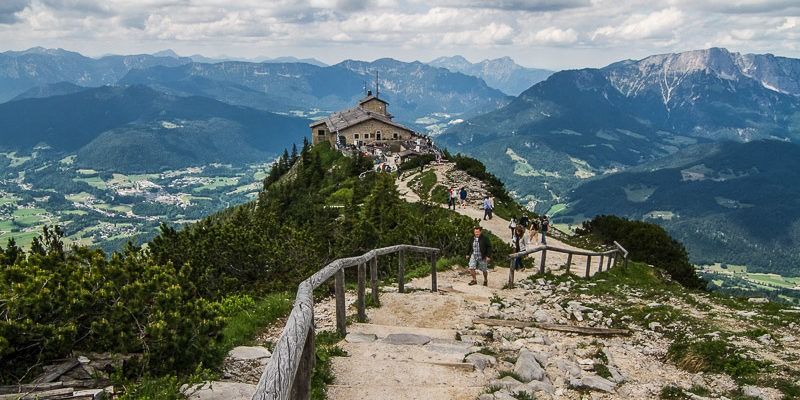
[565, 138]
[137, 129]
[500, 73]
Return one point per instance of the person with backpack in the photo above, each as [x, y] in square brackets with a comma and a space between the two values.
[463, 195]
[513, 226]
[545, 228]
[520, 240]
[451, 198]
[487, 208]
[479, 254]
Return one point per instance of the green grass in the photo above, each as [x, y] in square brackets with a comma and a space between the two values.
[216, 183]
[94, 182]
[247, 321]
[326, 349]
[555, 209]
[426, 182]
[716, 356]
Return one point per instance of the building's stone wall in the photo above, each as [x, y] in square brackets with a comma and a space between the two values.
[367, 132]
[325, 135]
[375, 106]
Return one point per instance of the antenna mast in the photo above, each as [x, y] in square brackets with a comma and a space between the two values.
[377, 85]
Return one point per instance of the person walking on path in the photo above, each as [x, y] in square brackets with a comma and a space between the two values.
[524, 221]
[487, 208]
[463, 195]
[534, 236]
[478, 254]
[451, 198]
[520, 241]
[513, 226]
[545, 228]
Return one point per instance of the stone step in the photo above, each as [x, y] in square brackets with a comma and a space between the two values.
[383, 331]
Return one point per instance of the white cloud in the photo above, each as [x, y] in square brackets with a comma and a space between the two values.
[550, 36]
[657, 25]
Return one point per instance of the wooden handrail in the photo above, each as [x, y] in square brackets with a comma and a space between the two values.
[611, 254]
[287, 375]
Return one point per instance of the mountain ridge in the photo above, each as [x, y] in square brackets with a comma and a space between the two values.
[500, 73]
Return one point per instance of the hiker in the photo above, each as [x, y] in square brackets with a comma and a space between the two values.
[534, 236]
[463, 195]
[513, 226]
[524, 221]
[520, 240]
[487, 208]
[478, 254]
[451, 198]
[545, 227]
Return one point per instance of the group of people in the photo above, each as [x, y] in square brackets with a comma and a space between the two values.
[523, 233]
[456, 197]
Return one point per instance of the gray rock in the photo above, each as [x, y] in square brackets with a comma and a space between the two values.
[503, 395]
[592, 382]
[527, 367]
[247, 353]
[571, 368]
[765, 339]
[481, 361]
[406, 339]
[360, 338]
[486, 396]
[537, 386]
[541, 357]
[507, 383]
[754, 391]
[220, 391]
[578, 315]
[757, 300]
[655, 326]
[616, 376]
[543, 317]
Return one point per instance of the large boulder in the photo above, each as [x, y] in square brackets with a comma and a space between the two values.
[527, 368]
[592, 382]
[220, 391]
[481, 361]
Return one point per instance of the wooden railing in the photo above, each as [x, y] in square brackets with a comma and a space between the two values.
[611, 254]
[288, 373]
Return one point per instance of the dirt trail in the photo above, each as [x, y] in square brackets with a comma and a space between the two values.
[554, 262]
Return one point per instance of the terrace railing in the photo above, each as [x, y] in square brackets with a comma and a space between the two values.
[287, 375]
[610, 255]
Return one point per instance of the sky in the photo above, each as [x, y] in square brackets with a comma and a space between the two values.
[554, 34]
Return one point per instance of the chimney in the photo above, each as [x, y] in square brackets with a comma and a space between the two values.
[369, 93]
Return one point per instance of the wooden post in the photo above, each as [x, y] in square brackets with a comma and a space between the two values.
[301, 386]
[610, 262]
[341, 322]
[361, 303]
[569, 262]
[600, 266]
[625, 263]
[401, 271]
[434, 286]
[511, 274]
[588, 266]
[541, 264]
[373, 276]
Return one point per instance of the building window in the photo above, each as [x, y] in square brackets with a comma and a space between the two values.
[321, 132]
[355, 136]
[378, 135]
[394, 135]
[366, 136]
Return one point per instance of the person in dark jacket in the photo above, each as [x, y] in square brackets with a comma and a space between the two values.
[479, 252]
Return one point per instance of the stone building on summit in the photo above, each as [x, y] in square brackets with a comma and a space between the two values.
[366, 124]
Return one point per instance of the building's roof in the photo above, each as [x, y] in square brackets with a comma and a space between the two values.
[372, 97]
[344, 119]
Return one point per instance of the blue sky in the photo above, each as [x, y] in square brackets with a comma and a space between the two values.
[553, 34]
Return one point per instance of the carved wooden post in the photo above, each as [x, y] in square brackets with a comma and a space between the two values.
[541, 264]
[373, 275]
[361, 303]
[600, 266]
[569, 262]
[511, 274]
[401, 271]
[434, 286]
[588, 266]
[301, 386]
[341, 322]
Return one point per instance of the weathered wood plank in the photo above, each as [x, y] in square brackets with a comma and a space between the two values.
[57, 371]
[30, 387]
[55, 394]
[503, 322]
[569, 261]
[600, 264]
[511, 274]
[341, 311]
[373, 276]
[434, 283]
[401, 271]
[584, 330]
[361, 302]
[588, 266]
[541, 264]
[301, 387]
